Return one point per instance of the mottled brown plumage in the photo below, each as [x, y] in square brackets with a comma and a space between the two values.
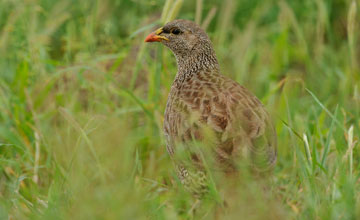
[205, 106]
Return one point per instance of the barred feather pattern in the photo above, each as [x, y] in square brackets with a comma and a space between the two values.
[201, 98]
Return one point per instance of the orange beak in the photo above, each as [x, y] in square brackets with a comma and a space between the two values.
[155, 36]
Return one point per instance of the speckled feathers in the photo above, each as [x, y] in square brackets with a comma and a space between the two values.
[202, 99]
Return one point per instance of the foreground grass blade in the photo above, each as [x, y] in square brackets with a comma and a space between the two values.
[328, 139]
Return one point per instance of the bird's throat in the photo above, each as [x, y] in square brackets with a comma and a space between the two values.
[191, 64]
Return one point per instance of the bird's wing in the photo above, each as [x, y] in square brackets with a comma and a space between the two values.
[236, 117]
[260, 133]
[218, 106]
[249, 124]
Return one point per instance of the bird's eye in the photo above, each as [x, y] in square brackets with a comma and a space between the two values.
[176, 31]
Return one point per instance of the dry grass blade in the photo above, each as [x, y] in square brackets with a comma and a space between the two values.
[37, 157]
[226, 19]
[320, 27]
[174, 10]
[198, 13]
[351, 21]
[349, 153]
[37, 135]
[210, 16]
[307, 149]
[9, 26]
[166, 10]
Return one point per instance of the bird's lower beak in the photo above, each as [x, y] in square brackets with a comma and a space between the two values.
[155, 36]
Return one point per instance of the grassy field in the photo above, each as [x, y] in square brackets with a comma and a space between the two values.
[82, 100]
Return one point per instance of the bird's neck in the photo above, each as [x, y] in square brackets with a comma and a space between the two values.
[191, 64]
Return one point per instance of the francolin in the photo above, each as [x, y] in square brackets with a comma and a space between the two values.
[208, 108]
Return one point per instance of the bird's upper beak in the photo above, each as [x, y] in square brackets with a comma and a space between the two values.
[155, 36]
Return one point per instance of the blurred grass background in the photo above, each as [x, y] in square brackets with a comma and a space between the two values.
[82, 99]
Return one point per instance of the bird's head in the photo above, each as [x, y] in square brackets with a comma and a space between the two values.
[183, 37]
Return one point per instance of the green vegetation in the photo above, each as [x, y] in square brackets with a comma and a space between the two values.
[82, 100]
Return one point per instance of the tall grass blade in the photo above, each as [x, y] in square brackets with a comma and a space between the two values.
[198, 13]
[351, 21]
[325, 109]
[307, 149]
[166, 10]
[209, 17]
[83, 134]
[328, 139]
[175, 9]
[349, 152]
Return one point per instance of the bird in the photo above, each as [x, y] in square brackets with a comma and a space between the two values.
[206, 107]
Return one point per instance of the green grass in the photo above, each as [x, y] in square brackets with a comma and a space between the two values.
[82, 100]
